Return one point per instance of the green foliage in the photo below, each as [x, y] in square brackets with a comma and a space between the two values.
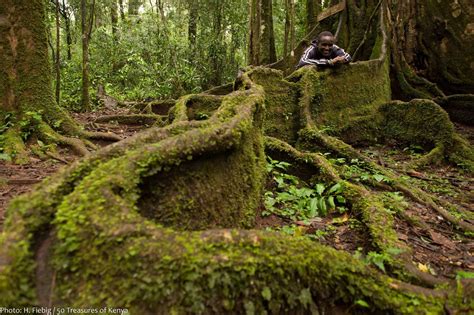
[294, 199]
[379, 260]
[360, 171]
[5, 125]
[464, 275]
[29, 122]
[150, 55]
[394, 201]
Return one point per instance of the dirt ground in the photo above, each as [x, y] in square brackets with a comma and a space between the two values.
[437, 247]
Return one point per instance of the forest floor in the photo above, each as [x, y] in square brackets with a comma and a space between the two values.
[437, 247]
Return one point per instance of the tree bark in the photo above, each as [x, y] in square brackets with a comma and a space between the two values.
[23, 43]
[192, 23]
[312, 10]
[87, 21]
[289, 40]
[267, 46]
[57, 63]
[254, 34]
[433, 44]
[67, 21]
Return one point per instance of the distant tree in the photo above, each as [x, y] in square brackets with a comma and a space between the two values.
[261, 49]
[87, 22]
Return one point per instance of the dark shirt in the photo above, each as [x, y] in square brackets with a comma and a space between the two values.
[312, 56]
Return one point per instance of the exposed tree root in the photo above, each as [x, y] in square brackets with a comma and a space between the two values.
[365, 203]
[339, 148]
[134, 119]
[69, 135]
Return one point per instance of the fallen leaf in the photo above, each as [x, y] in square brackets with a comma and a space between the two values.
[416, 174]
[402, 237]
[440, 239]
[423, 267]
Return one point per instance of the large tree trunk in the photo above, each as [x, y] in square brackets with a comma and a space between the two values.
[26, 94]
[289, 40]
[86, 29]
[267, 45]
[312, 10]
[435, 43]
[58, 54]
[261, 49]
[254, 34]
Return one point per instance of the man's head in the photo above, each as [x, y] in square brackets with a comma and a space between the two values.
[325, 42]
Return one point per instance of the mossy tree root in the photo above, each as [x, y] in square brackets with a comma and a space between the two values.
[134, 119]
[311, 139]
[180, 142]
[365, 204]
[67, 132]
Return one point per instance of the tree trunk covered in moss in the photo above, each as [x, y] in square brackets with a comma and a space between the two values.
[434, 42]
[23, 46]
[58, 54]
[25, 73]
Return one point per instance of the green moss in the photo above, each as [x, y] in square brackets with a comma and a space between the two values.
[282, 116]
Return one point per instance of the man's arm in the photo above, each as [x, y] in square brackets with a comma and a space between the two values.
[341, 56]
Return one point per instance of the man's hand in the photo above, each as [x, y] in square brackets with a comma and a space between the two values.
[338, 59]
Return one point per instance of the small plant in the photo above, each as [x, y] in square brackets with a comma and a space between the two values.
[29, 123]
[414, 150]
[380, 260]
[360, 171]
[296, 200]
[464, 275]
[394, 201]
[202, 116]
